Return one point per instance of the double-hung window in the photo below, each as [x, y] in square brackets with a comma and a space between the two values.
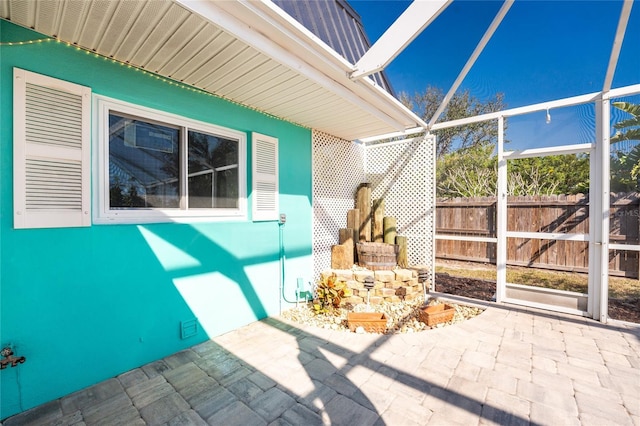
[157, 167]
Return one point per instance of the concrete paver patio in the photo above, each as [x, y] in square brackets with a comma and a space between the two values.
[508, 366]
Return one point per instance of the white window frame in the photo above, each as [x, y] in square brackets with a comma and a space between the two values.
[104, 215]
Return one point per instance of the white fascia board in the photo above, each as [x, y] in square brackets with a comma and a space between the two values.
[299, 36]
[240, 29]
[418, 16]
[617, 44]
[391, 100]
[295, 36]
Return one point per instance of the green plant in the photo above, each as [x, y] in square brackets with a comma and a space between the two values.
[628, 129]
[461, 105]
[625, 164]
[330, 291]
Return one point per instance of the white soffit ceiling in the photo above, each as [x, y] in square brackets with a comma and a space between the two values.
[249, 52]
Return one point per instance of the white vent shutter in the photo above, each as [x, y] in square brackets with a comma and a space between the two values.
[51, 152]
[265, 177]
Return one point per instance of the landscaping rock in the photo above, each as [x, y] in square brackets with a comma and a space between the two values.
[403, 317]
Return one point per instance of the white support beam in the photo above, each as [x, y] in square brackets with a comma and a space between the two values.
[512, 112]
[501, 218]
[552, 150]
[468, 238]
[617, 44]
[599, 215]
[633, 89]
[603, 138]
[594, 227]
[574, 100]
[430, 182]
[418, 16]
[472, 59]
[554, 236]
[629, 247]
[530, 304]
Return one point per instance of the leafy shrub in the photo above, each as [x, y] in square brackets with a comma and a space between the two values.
[329, 293]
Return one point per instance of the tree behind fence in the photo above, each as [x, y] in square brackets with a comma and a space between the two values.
[567, 214]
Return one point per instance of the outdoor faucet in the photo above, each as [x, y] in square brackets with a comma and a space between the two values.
[9, 358]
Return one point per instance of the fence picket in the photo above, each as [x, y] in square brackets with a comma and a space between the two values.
[554, 213]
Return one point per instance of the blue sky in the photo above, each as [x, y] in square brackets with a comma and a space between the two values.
[543, 50]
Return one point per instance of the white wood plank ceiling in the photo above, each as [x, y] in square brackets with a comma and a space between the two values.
[249, 52]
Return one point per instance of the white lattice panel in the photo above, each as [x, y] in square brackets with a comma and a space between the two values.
[338, 169]
[403, 174]
[400, 172]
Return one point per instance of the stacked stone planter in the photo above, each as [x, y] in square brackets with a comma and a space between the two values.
[389, 286]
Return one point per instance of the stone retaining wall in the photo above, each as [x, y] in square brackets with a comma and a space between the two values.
[389, 286]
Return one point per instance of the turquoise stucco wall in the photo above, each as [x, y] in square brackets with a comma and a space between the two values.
[86, 304]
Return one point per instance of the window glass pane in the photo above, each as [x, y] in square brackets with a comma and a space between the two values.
[213, 171]
[227, 188]
[144, 164]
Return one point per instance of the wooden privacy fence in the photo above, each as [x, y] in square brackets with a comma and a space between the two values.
[567, 214]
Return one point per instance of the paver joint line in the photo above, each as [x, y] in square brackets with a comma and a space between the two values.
[508, 367]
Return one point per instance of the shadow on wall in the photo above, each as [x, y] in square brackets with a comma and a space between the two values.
[122, 305]
[209, 277]
[315, 355]
[226, 282]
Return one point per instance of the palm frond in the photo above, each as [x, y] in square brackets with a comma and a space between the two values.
[633, 109]
[629, 135]
[631, 122]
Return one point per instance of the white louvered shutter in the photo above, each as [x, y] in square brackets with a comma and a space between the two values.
[51, 152]
[265, 177]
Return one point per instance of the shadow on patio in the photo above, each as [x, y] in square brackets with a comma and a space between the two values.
[506, 366]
